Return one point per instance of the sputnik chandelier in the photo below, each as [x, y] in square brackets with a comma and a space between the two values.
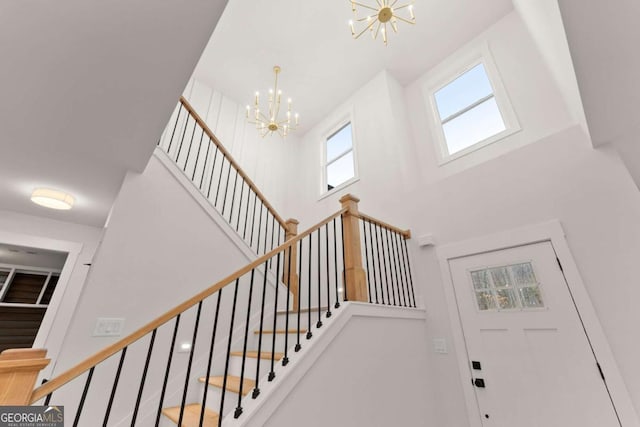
[378, 16]
[267, 121]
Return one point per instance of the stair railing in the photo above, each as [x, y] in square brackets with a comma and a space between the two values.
[229, 331]
[191, 144]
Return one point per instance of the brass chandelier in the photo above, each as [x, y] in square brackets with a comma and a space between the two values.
[378, 16]
[268, 121]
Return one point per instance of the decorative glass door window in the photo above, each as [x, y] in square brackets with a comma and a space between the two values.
[511, 287]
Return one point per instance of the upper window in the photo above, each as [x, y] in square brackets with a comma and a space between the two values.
[471, 110]
[339, 166]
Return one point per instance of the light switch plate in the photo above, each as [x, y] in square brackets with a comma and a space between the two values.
[108, 327]
[440, 345]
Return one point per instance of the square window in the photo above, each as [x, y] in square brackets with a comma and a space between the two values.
[468, 103]
[468, 110]
[339, 166]
[506, 287]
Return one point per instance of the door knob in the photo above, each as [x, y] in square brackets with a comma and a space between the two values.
[479, 382]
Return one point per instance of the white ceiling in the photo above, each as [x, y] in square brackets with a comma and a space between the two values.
[87, 87]
[321, 64]
[32, 257]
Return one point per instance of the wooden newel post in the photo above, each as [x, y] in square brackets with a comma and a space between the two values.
[19, 370]
[290, 275]
[355, 277]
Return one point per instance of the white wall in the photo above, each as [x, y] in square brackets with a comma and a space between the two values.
[548, 170]
[374, 373]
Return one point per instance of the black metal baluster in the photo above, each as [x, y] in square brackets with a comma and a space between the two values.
[298, 346]
[195, 166]
[326, 247]
[187, 377]
[273, 229]
[240, 206]
[335, 262]
[285, 360]
[344, 269]
[373, 265]
[144, 378]
[256, 390]
[226, 187]
[391, 277]
[366, 257]
[319, 286]
[266, 230]
[204, 166]
[383, 264]
[259, 227]
[213, 168]
[186, 161]
[375, 232]
[174, 128]
[394, 242]
[309, 334]
[113, 388]
[272, 373]
[253, 218]
[226, 364]
[215, 203]
[233, 198]
[406, 252]
[186, 125]
[47, 399]
[238, 410]
[83, 397]
[166, 373]
[210, 361]
[246, 215]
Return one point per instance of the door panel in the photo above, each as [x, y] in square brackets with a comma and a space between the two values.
[520, 322]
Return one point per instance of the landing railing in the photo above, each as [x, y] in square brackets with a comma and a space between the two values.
[234, 334]
[190, 143]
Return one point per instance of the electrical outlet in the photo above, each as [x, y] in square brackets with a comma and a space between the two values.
[108, 327]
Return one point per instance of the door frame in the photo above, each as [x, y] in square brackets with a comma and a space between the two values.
[49, 337]
[545, 232]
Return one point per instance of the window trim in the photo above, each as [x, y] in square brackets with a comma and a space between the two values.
[344, 120]
[447, 75]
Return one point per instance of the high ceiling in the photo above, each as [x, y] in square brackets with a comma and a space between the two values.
[87, 87]
[321, 64]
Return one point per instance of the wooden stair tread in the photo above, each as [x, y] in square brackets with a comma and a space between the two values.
[263, 355]
[302, 310]
[281, 331]
[191, 416]
[233, 383]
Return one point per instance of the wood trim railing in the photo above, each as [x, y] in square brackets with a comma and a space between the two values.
[102, 355]
[187, 106]
[19, 369]
[405, 233]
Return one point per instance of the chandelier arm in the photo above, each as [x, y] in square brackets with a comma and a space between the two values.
[405, 20]
[394, 3]
[368, 18]
[401, 6]
[366, 28]
[381, 4]
[394, 25]
[365, 5]
[375, 36]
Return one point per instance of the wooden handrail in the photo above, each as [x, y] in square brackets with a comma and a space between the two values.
[233, 162]
[405, 233]
[105, 353]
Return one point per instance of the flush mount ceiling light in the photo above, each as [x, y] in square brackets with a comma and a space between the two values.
[377, 17]
[53, 199]
[268, 121]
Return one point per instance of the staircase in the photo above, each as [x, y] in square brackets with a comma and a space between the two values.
[202, 362]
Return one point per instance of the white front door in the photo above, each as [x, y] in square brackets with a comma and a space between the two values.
[529, 346]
